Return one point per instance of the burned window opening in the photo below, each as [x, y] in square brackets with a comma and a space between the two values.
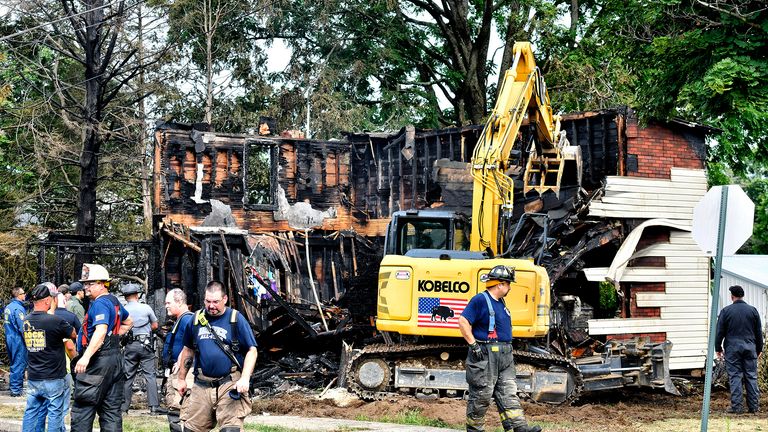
[260, 175]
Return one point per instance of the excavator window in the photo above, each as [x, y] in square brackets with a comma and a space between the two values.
[422, 234]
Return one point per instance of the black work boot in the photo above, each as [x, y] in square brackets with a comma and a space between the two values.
[528, 428]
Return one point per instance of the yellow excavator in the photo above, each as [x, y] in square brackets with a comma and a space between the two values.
[436, 260]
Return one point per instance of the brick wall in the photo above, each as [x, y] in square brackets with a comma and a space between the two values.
[658, 148]
[640, 287]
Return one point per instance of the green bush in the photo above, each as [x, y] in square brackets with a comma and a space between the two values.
[608, 298]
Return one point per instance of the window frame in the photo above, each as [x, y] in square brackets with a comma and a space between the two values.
[273, 155]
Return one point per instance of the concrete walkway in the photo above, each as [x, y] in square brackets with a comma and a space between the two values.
[311, 424]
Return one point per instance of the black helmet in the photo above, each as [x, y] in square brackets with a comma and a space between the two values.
[501, 273]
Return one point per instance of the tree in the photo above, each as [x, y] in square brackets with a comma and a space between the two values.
[703, 61]
[78, 110]
[399, 58]
[219, 63]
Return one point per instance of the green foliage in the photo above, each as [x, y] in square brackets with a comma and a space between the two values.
[608, 298]
[757, 190]
[258, 175]
[700, 63]
[239, 86]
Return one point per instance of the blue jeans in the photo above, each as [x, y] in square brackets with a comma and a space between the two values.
[45, 398]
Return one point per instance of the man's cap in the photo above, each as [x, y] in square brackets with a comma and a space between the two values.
[63, 289]
[94, 272]
[500, 273]
[737, 291]
[75, 287]
[131, 288]
[39, 292]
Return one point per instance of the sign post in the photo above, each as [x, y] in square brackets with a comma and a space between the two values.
[735, 221]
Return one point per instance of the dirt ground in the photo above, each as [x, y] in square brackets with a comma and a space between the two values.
[615, 411]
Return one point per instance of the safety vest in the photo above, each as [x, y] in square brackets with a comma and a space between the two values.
[112, 339]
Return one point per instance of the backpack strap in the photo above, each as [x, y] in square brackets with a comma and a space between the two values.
[196, 324]
[492, 314]
[174, 329]
[235, 334]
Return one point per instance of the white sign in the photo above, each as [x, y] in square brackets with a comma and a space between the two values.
[740, 213]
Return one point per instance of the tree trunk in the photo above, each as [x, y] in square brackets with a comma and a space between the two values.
[145, 146]
[574, 20]
[515, 31]
[209, 31]
[89, 158]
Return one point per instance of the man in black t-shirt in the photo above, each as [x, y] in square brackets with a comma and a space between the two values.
[44, 336]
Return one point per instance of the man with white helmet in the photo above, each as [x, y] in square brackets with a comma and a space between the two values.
[99, 369]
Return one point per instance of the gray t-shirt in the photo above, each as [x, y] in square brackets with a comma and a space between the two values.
[143, 316]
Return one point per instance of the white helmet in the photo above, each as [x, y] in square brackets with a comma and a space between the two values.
[94, 272]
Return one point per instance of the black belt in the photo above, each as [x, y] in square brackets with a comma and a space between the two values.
[213, 383]
[142, 338]
[493, 342]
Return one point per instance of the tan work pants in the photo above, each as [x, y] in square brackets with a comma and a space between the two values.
[172, 396]
[207, 406]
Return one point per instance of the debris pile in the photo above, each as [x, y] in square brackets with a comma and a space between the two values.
[295, 372]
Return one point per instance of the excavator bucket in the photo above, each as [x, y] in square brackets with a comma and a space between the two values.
[553, 170]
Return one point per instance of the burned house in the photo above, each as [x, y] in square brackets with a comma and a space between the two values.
[295, 227]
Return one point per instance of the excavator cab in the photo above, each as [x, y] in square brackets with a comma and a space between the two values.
[428, 275]
[426, 229]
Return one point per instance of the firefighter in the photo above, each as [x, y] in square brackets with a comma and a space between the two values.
[486, 325]
[139, 352]
[14, 340]
[176, 305]
[224, 349]
[99, 373]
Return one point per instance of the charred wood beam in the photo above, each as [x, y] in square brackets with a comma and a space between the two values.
[290, 310]
[181, 239]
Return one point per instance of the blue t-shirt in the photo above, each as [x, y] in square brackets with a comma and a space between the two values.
[101, 311]
[478, 315]
[69, 317]
[174, 344]
[216, 364]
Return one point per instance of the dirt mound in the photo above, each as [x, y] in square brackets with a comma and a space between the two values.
[615, 411]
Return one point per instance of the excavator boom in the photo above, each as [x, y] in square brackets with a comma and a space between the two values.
[523, 94]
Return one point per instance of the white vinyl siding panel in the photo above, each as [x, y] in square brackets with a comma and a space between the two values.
[684, 305]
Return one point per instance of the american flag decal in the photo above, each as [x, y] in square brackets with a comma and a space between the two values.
[440, 312]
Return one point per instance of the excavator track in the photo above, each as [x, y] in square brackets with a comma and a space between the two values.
[370, 371]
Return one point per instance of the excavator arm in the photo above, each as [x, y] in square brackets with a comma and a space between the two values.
[523, 94]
